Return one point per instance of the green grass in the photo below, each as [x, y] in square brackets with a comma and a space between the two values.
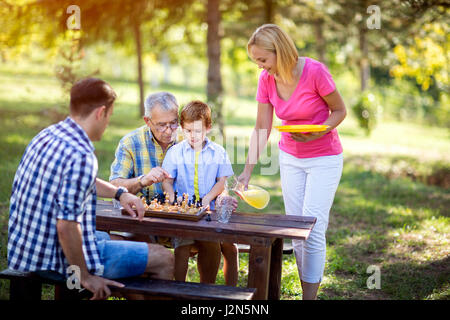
[384, 214]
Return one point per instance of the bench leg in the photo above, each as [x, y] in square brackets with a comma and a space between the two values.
[24, 290]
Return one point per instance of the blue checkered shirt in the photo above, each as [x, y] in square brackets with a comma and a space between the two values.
[55, 180]
[137, 153]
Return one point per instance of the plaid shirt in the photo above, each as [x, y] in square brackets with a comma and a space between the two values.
[136, 154]
[55, 180]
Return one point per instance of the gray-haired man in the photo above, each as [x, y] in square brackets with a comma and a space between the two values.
[139, 155]
[137, 166]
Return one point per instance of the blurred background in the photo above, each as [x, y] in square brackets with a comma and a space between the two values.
[389, 59]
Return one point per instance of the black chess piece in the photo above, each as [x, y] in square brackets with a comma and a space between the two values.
[175, 198]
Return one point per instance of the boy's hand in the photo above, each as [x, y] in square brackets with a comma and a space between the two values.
[205, 202]
[234, 203]
[229, 200]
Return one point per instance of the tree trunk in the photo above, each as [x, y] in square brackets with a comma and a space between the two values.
[364, 66]
[269, 11]
[138, 40]
[320, 40]
[214, 86]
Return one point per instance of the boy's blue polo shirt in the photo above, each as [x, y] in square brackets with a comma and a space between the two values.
[213, 162]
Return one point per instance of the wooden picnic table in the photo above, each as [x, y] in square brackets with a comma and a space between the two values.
[264, 233]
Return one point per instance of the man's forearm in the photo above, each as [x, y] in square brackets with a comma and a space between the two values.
[105, 189]
[70, 239]
[133, 186]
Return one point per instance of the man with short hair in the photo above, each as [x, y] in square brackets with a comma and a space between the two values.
[53, 200]
[139, 155]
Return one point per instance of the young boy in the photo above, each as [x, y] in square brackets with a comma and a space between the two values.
[200, 168]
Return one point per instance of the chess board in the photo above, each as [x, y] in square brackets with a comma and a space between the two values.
[182, 208]
[175, 215]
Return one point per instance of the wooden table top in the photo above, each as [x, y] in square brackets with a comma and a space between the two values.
[241, 224]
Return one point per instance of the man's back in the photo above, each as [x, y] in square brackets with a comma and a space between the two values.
[55, 180]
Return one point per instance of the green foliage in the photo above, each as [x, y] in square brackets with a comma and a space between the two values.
[366, 110]
[426, 58]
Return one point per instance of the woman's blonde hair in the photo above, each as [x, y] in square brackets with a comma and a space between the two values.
[272, 38]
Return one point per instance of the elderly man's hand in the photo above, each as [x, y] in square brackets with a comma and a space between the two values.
[156, 174]
[128, 201]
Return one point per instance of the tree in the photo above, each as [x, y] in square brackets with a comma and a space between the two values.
[214, 87]
[425, 55]
[121, 22]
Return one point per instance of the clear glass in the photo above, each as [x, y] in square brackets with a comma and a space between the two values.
[116, 204]
[224, 208]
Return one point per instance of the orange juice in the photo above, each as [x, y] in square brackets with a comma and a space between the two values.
[255, 196]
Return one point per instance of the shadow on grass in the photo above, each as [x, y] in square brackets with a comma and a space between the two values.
[432, 173]
[416, 281]
[369, 209]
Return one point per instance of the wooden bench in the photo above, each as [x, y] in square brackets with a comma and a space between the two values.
[28, 286]
[287, 248]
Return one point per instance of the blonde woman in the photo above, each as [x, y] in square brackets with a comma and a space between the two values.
[301, 91]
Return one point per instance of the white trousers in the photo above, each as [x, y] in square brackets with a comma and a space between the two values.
[308, 187]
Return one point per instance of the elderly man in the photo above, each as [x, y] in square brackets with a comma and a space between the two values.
[52, 211]
[138, 160]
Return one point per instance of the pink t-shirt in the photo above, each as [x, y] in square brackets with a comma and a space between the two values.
[305, 106]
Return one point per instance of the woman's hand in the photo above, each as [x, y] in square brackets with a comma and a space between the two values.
[244, 179]
[306, 137]
[228, 200]
[338, 113]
